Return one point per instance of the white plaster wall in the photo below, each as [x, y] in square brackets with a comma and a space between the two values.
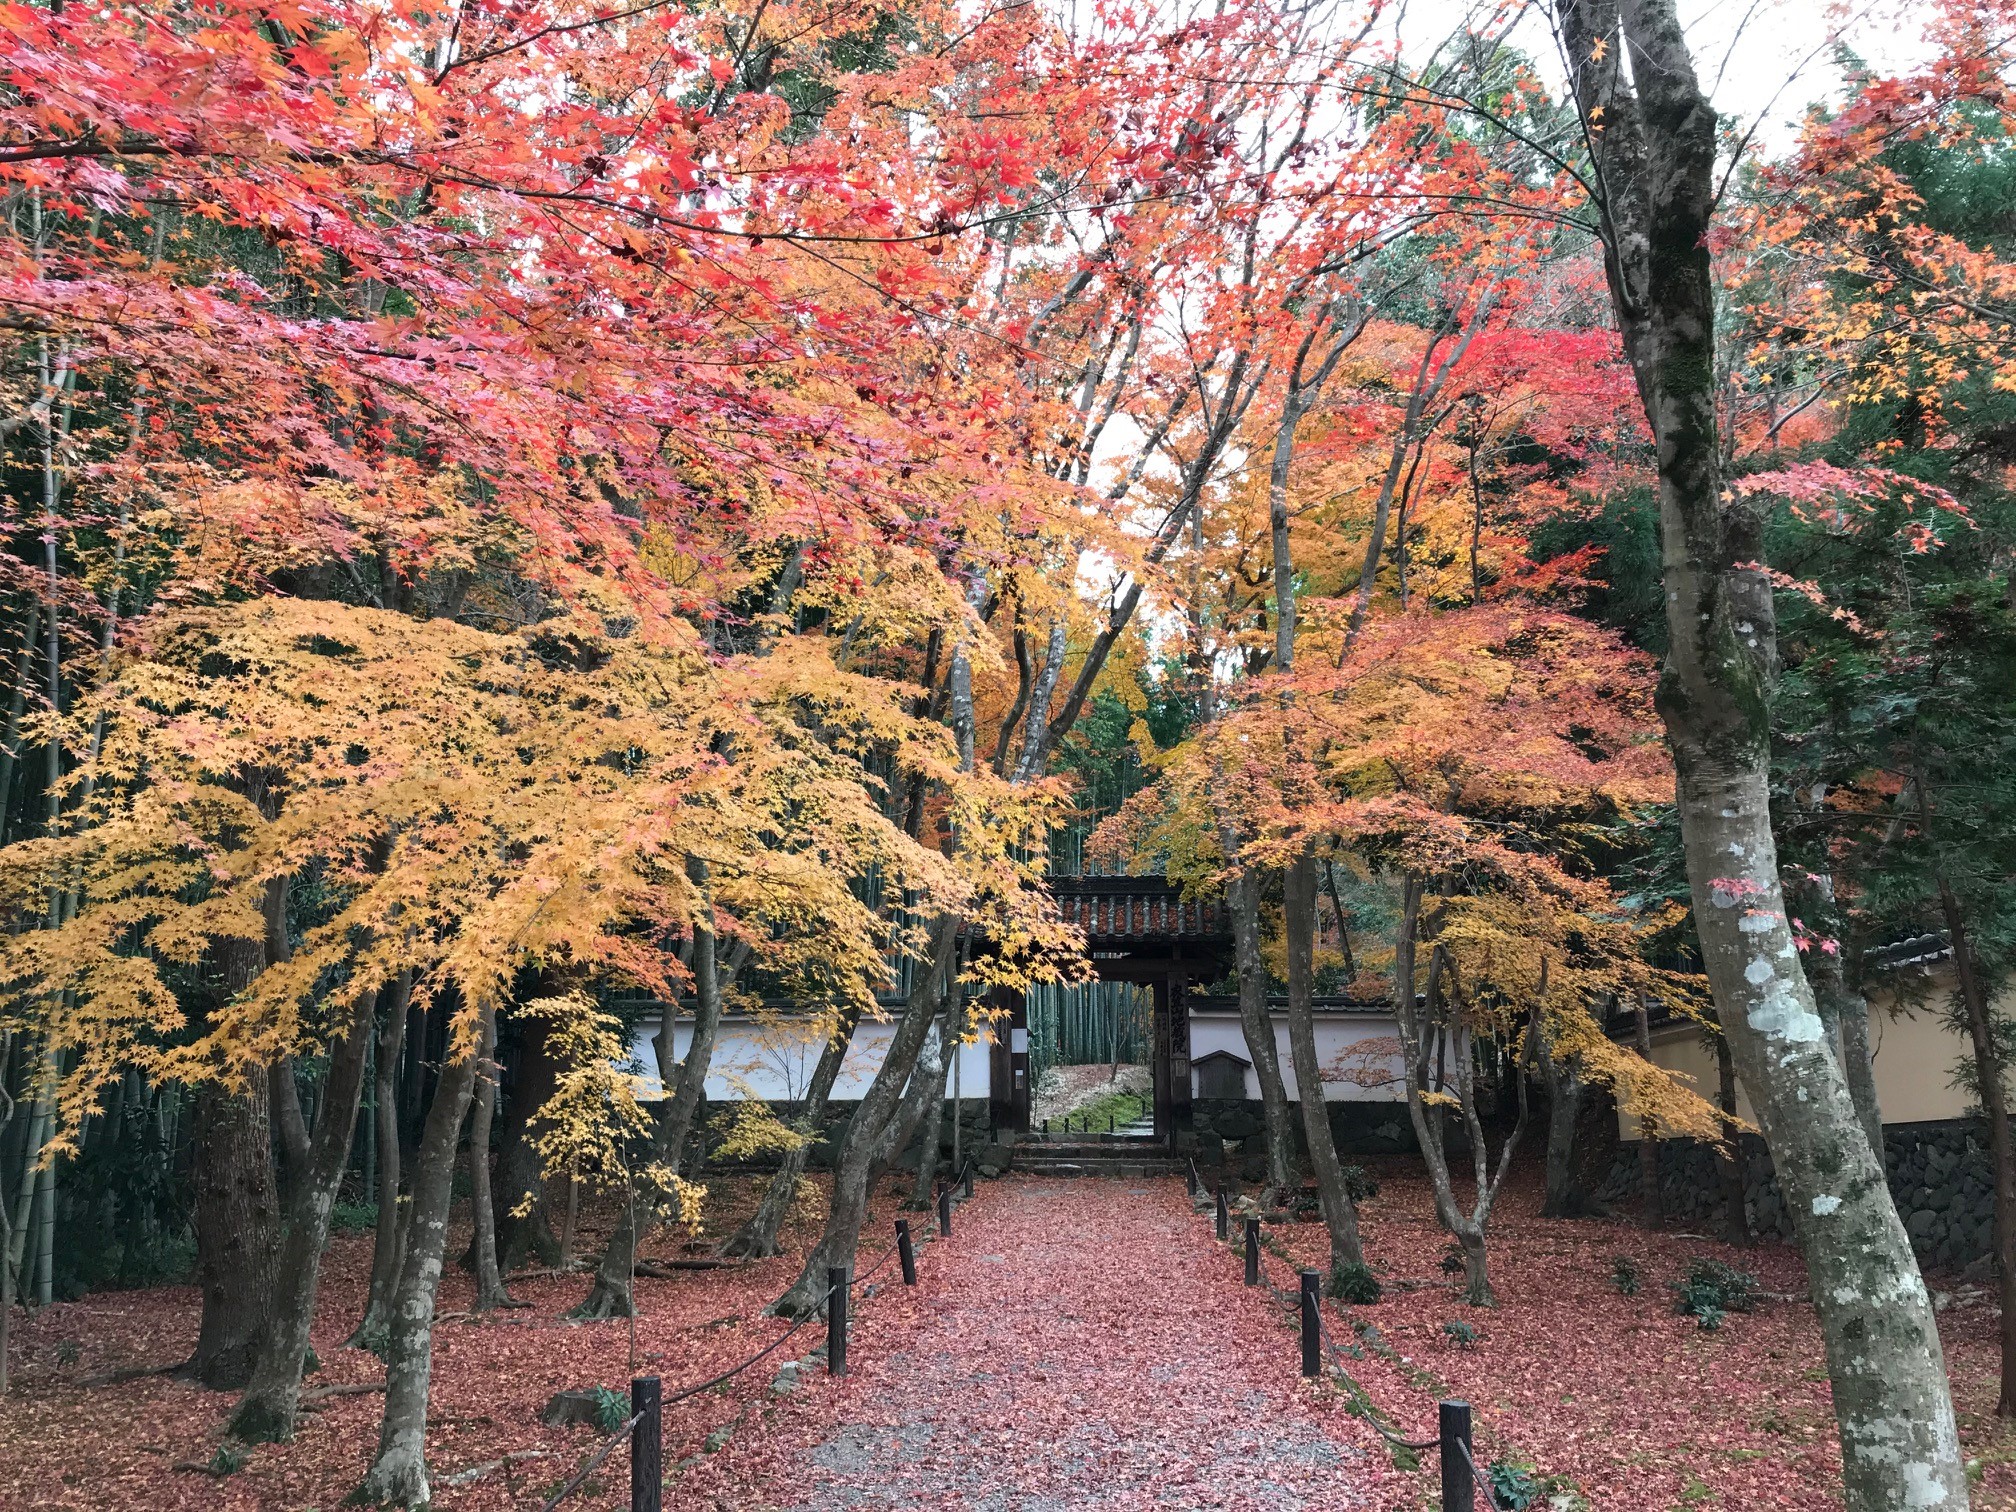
[775, 1062]
[1335, 1035]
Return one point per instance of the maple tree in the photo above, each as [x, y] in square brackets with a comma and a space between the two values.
[518, 510]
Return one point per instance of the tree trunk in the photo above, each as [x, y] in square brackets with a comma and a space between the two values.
[266, 1413]
[1565, 1196]
[1990, 1070]
[931, 1123]
[849, 1207]
[398, 1476]
[1340, 1215]
[388, 1237]
[1655, 149]
[1243, 895]
[1735, 1205]
[524, 1231]
[490, 1292]
[1651, 1207]
[610, 1296]
[236, 1218]
[757, 1238]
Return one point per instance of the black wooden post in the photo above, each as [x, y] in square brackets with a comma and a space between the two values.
[1459, 1486]
[838, 1279]
[906, 1253]
[1046, 1126]
[969, 1181]
[1112, 1123]
[1312, 1323]
[647, 1446]
[1252, 1251]
[945, 1213]
[1224, 1216]
[1190, 1177]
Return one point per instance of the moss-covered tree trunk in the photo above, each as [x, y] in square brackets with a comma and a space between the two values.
[1656, 184]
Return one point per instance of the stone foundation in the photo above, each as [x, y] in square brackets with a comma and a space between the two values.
[1939, 1178]
[1359, 1128]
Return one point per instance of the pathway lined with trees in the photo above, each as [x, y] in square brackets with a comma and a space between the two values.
[1077, 1343]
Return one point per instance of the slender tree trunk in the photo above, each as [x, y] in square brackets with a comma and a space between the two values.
[398, 1476]
[1655, 150]
[1257, 1022]
[1735, 1205]
[931, 1125]
[757, 1238]
[267, 1411]
[1990, 1073]
[388, 1239]
[490, 1292]
[1339, 1213]
[1651, 1209]
[610, 1296]
[1564, 1195]
[849, 1207]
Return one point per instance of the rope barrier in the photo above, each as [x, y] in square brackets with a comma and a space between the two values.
[1333, 1355]
[608, 1445]
[1490, 1495]
[590, 1468]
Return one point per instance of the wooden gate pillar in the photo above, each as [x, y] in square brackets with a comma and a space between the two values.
[1008, 1090]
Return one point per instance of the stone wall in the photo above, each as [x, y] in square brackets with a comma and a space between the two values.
[1360, 1128]
[1939, 1179]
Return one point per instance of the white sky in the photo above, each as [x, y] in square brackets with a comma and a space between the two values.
[1757, 57]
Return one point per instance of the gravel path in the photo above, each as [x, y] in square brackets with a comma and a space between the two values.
[1076, 1344]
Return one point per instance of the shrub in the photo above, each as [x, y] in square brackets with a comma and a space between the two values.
[1514, 1484]
[1355, 1283]
[1461, 1333]
[1713, 1290]
[1452, 1259]
[1624, 1275]
[1359, 1183]
[612, 1409]
[353, 1217]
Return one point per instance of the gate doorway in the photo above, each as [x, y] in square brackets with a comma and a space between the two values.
[1142, 939]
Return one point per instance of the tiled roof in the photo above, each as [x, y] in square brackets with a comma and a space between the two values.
[1137, 908]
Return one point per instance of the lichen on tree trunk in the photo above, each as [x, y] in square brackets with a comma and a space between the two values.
[398, 1475]
[1655, 146]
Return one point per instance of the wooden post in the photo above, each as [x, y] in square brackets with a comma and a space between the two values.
[838, 1279]
[1459, 1486]
[906, 1253]
[647, 1446]
[945, 1213]
[1224, 1216]
[1252, 1251]
[969, 1181]
[1312, 1323]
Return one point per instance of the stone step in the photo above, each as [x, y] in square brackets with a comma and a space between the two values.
[1129, 1169]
